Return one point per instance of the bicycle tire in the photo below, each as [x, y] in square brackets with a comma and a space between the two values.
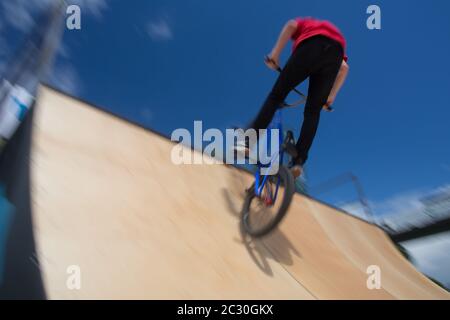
[287, 181]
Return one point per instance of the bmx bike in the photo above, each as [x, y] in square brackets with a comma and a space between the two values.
[269, 197]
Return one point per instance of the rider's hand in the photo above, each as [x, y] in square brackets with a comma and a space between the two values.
[272, 62]
[329, 103]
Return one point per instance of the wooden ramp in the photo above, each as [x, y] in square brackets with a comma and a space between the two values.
[107, 198]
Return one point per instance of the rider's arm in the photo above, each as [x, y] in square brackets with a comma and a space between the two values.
[340, 79]
[289, 29]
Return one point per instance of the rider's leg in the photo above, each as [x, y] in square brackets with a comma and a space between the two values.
[296, 71]
[274, 100]
[320, 85]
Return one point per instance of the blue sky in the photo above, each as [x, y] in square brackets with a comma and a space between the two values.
[165, 64]
[168, 63]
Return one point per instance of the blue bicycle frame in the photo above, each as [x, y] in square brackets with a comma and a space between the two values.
[276, 123]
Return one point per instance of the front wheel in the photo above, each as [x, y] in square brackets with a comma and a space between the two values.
[261, 214]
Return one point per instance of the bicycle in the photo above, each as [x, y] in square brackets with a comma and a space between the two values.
[267, 188]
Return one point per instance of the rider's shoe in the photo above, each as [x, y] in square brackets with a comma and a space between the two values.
[297, 171]
[297, 167]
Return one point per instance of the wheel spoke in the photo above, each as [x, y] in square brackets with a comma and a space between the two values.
[262, 213]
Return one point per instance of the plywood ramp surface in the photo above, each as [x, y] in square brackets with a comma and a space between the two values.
[107, 198]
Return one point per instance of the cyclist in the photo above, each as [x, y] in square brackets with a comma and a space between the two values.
[318, 54]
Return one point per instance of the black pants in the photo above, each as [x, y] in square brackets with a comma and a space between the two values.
[318, 58]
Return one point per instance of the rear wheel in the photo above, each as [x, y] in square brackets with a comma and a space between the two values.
[261, 214]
